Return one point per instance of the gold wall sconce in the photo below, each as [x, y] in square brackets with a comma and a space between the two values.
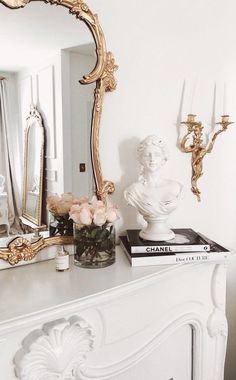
[197, 146]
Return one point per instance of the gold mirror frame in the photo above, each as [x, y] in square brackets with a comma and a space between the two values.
[103, 74]
[34, 117]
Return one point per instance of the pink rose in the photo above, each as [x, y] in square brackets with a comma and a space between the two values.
[100, 205]
[81, 201]
[52, 201]
[80, 214]
[99, 217]
[75, 213]
[85, 215]
[84, 200]
[85, 212]
[59, 205]
[97, 203]
[112, 214]
[76, 218]
[63, 207]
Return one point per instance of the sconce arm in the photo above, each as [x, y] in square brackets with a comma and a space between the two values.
[197, 148]
[212, 142]
[183, 147]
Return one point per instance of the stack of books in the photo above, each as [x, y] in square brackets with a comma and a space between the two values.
[188, 246]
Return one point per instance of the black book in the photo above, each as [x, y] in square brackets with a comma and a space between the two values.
[217, 253]
[185, 240]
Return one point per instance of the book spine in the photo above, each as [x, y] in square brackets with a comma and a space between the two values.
[170, 248]
[178, 259]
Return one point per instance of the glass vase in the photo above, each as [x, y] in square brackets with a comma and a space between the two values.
[94, 246]
[60, 225]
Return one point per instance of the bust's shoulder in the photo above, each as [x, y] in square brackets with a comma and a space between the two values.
[135, 185]
[175, 186]
[134, 191]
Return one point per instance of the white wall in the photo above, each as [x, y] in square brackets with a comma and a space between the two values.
[158, 45]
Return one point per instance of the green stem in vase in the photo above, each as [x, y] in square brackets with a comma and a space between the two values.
[94, 245]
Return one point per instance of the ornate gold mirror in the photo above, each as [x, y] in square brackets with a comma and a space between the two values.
[101, 76]
[33, 167]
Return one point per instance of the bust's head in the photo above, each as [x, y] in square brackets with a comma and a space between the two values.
[152, 153]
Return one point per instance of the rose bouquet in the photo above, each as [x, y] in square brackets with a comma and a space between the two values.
[94, 234]
[60, 223]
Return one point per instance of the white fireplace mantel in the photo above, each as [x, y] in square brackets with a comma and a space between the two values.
[117, 323]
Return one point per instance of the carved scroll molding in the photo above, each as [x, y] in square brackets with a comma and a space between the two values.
[144, 350]
[217, 325]
[57, 351]
[217, 322]
[21, 249]
[102, 74]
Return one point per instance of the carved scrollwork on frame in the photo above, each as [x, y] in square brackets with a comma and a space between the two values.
[15, 3]
[106, 83]
[56, 351]
[21, 249]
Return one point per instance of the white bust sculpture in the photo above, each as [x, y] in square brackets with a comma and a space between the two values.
[154, 197]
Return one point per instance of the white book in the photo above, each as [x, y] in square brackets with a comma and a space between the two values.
[185, 240]
[219, 254]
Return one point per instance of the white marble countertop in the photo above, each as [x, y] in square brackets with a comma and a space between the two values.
[30, 288]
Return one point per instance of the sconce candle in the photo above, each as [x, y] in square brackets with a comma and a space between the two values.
[193, 95]
[225, 100]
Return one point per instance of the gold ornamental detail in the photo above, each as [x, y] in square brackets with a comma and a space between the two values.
[21, 249]
[197, 146]
[106, 83]
[14, 4]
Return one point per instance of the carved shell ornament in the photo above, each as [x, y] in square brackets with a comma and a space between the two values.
[56, 352]
[103, 75]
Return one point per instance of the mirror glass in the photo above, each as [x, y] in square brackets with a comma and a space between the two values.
[45, 51]
[33, 168]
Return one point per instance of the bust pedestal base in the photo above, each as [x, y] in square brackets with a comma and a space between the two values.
[156, 230]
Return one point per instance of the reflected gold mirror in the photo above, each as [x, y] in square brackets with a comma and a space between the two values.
[50, 77]
[33, 167]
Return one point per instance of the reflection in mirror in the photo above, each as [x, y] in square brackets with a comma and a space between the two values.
[42, 63]
[33, 167]
[43, 76]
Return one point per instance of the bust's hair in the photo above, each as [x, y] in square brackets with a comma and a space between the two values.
[155, 141]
